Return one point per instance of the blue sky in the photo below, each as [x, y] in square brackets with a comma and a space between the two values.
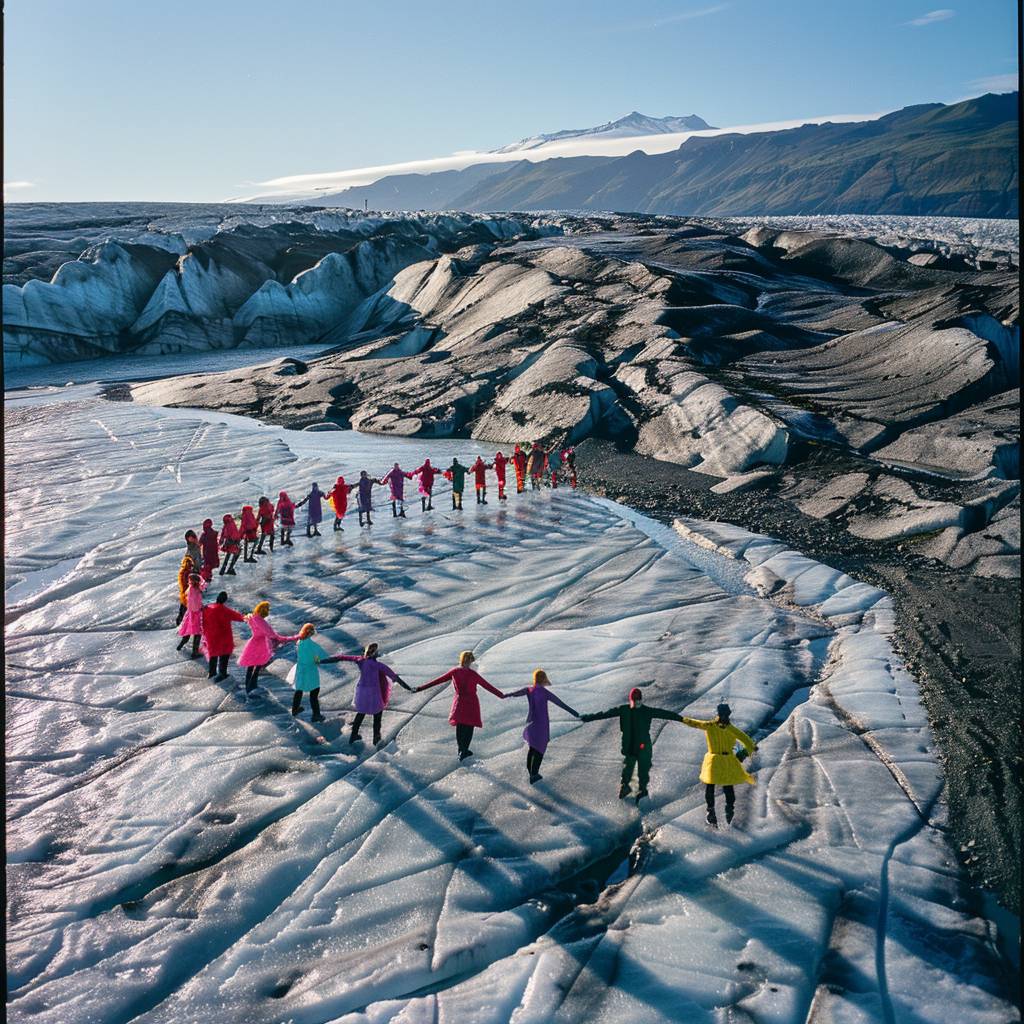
[196, 101]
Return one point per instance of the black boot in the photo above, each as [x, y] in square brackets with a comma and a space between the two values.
[213, 668]
[337, 525]
[259, 546]
[316, 531]
[394, 511]
[181, 643]
[430, 504]
[401, 515]
[195, 645]
[234, 562]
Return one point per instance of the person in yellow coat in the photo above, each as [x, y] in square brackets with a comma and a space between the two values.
[721, 766]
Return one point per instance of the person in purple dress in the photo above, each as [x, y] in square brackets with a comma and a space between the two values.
[373, 689]
[365, 487]
[396, 478]
[538, 730]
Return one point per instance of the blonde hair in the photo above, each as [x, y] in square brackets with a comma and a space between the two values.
[370, 651]
[307, 630]
[540, 677]
[465, 657]
[262, 609]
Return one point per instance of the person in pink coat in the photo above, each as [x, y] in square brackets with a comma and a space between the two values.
[373, 690]
[259, 649]
[192, 622]
[465, 713]
[395, 478]
[426, 473]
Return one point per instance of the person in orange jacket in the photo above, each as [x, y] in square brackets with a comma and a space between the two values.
[519, 464]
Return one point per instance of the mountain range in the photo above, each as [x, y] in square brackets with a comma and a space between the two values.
[632, 124]
[953, 160]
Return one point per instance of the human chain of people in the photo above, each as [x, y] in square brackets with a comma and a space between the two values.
[209, 626]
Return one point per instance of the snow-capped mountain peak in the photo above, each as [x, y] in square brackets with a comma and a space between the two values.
[634, 123]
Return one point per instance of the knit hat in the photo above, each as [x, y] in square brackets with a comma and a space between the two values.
[634, 696]
[724, 711]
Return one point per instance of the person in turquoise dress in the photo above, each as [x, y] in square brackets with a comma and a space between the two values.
[306, 675]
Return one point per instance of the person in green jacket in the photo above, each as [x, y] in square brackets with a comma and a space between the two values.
[635, 722]
[456, 472]
[305, 676]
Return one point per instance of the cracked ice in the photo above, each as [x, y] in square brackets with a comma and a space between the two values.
[178, 854]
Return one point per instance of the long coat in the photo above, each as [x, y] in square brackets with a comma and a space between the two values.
[465, 704]
[314, 510]
[210, 544]
[396, 479]
[499, 467]
[218, 638]
[285, 511]
[373, 690]
[259, 648]
[306, 674]
[337, 498]
[192, 623]
[721, 767]
[426, 473]
[538, 728]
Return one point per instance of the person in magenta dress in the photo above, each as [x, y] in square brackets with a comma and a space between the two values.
[249, 529]
[395, 478]
[210, 545]
[465, 713]
[538, 728]
[230, 544]
[285, 510]
[373, 689]
[426, 473]
[192, 623]
[259, 649]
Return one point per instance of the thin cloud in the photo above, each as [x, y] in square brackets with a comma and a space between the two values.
[995, 83]
[17, 186]
[295, 187]
[943, 14]
[672, 19]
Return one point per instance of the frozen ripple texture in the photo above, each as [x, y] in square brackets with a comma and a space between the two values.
[177, 854]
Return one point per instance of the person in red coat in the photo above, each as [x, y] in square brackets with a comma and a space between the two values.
[519, 464]
[266, 515]
[465, 713]
[479, 469]
[499, 471]
[218, 638]
[230, 544]
[210, 545]
[249, 530]
[337, 498]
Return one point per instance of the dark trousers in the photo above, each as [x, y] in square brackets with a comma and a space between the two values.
[252, 675]
[358, 721]
[314, 701]
[533, 760]
[219, 665]
[463, 737]
[730, 798]
[181, 614]
[641, 763]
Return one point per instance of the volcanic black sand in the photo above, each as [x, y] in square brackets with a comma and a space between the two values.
[959, 635]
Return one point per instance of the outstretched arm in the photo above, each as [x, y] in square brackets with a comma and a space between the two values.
[696, 723]
[740, 735]
[562, 704]
[487, 686]
[438, 681]
[672, 716]
[521, 692]
[347, 657]
[595, 715]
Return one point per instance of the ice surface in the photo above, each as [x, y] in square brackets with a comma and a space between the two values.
[178, 854]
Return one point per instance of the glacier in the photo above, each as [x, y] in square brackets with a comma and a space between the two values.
[176, 853]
